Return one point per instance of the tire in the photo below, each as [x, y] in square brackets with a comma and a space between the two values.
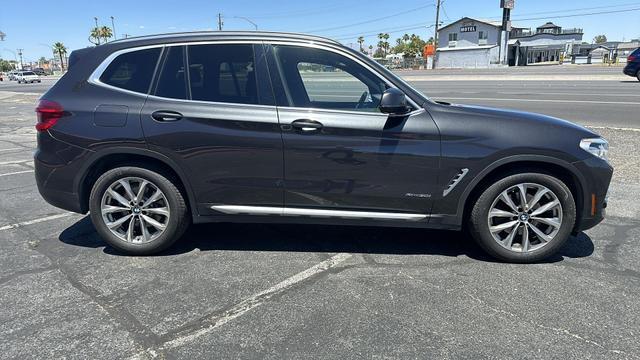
[142, 240]
[638, 75]
[509, 244]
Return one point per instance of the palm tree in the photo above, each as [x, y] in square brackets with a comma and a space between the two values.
[385, 43]
[361, 41]
[106, 33]
[61, 50]
[95, 35]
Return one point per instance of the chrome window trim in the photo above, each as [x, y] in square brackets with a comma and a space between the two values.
[94, 78]
[322, 213]
[346, 112]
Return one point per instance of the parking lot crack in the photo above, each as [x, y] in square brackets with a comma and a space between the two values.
[557, 330]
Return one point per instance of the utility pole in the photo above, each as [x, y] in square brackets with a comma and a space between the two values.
[220, 23]
[96, 19]
[20, 54]
[113, 26]
[435, 37]
[125, 35]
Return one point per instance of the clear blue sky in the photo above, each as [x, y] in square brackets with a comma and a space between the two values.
[69, 21]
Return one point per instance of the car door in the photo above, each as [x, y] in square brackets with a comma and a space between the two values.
[217, 119]
[340, 151]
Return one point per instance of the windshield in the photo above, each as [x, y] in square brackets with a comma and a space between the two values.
[29, 73]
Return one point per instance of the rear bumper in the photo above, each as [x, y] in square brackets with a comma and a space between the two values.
[57, 165]
[631, 69]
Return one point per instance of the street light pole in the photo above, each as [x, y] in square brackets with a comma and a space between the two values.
[249, 20]
[113, 26]
[20, 54]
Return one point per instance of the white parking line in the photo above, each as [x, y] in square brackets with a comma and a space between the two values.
[35, 221]
[541, 100]
[612, 128]
[12, 149]
[17, 173]
[15, 162]
[257, 299]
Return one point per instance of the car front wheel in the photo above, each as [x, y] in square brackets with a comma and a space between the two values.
[138, 211]
[524, 218]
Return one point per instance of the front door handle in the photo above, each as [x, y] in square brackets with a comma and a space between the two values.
[163, 115]
[307, 125]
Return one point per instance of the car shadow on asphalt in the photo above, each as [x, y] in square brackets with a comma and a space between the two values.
[320, 239]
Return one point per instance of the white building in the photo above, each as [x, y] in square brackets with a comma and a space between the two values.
[473, 43]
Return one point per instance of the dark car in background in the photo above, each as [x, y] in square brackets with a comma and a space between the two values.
[154, 133]
[633, 64]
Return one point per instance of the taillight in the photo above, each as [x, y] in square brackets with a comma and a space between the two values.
[631, 58]
[49, 112]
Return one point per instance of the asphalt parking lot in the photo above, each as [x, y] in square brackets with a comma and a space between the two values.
[294, 291]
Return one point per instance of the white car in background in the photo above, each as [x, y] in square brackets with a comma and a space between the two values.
[27, 77]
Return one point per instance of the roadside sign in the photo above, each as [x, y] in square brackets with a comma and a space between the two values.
[507, 4]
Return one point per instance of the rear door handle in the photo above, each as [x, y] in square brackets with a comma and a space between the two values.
[163, 115]
[307, 125]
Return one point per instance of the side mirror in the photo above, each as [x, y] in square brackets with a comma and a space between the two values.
[394, 102]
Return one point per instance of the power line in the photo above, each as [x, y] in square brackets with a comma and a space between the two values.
[371, 20]
[569, 10]
[389, 31]
[577, 15]
[322, 10]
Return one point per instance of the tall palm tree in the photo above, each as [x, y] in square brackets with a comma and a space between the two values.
[361, 41]
[61, 50]
[95, 35]
[106, 33]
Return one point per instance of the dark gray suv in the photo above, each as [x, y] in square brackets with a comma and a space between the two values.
[151, 134]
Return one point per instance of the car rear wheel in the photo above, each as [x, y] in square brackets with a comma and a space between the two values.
[638, 75]
[138, 211]
[523, 218]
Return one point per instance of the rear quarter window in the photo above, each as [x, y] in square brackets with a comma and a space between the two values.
[132, 71]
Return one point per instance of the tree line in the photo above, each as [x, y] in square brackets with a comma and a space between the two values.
[408, 45]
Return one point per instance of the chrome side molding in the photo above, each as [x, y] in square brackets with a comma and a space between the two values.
[286, 211]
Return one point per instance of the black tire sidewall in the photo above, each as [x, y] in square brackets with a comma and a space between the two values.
[480, 226]
[177, 219]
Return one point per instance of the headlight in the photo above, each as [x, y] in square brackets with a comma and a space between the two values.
[597, 146]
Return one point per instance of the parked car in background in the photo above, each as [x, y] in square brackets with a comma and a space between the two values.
[11, 75]
[633, 64]
[154, 133]
[40, 71]
[25, 77]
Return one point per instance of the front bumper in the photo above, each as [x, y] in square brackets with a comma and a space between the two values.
[597, 175]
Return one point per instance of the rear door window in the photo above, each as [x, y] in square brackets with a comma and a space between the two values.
[172, 81]
[223, 73]
[132, 71]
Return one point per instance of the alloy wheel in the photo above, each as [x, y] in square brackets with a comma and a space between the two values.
[135, 210]
[525, 217]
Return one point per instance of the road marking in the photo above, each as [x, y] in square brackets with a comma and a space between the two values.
[12, 149]
[541, 100]
[17, 173]
[613, 128]
[15, 162]
[257, 299]
[35, 221]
